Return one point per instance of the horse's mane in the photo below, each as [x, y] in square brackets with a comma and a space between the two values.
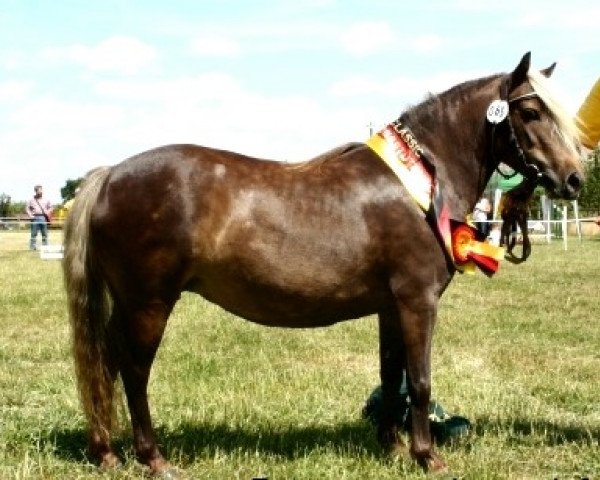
[565, 122]
[431, 104]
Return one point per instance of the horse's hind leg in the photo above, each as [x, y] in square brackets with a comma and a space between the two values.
[144, 328]
[392, 365]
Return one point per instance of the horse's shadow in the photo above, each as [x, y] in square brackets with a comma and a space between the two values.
[207, 439]
[554, 434]
[358, 437]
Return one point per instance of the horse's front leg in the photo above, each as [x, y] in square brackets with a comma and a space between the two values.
[525, 234]
[505, 230]
[391, 355]
[417, 319]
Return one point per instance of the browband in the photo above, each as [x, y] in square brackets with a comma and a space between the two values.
[521, 97]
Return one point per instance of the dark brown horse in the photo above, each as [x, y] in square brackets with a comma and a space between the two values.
[514, 211]
[293, 245]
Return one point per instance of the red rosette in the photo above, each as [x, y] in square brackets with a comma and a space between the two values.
[462, 238]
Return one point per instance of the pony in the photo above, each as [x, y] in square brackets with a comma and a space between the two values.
[514, 211]
[334, 238]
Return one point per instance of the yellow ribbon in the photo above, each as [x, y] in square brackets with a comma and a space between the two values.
[411, 173]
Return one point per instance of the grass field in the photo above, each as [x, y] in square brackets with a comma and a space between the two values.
[519, 355]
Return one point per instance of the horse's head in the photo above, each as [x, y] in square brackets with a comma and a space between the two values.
[545, 133]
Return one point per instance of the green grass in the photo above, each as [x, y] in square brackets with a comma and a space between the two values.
[519, 355]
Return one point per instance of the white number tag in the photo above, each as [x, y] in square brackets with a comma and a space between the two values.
[497, 111]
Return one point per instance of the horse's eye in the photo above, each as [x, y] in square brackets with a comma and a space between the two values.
[529, 114]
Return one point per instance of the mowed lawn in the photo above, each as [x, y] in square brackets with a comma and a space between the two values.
[518, 354]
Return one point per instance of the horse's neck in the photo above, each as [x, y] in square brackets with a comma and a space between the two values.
[455, 135]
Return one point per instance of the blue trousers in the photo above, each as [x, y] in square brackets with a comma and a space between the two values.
[38, 224]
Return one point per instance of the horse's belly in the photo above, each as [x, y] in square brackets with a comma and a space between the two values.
[290, 273]
[300, 304]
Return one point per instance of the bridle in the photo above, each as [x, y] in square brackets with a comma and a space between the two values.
[530, 169]
[525, 95]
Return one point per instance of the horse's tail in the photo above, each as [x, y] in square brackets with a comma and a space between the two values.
[89, 310]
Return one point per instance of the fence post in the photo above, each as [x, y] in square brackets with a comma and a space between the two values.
[564, 227]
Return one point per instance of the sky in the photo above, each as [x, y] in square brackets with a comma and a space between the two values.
[84, 84]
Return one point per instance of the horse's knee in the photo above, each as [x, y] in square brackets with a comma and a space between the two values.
[420, 391]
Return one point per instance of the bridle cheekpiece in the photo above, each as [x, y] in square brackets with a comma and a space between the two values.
[498, 112]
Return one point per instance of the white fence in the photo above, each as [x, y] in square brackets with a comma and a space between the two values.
[17, 223]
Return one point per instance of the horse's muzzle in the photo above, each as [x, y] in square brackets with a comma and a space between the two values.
[569, 190]
[573, 186]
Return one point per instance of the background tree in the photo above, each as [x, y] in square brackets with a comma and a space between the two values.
[589, 199]
[16, 208]
[4, 205]
[8, 208]
[68, 191]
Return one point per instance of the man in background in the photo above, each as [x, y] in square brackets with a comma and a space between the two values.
[39, 211]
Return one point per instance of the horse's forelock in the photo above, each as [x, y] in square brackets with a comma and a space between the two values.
[565, 122]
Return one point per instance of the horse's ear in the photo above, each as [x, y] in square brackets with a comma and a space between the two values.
[519, 75]
[546, 72]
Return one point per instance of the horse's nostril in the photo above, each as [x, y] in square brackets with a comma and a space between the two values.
[575, 182]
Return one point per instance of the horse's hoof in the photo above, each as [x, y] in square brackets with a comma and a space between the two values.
[110, 461]
[170, 474]
[160, 468]
[392, 444]
[434, 464]
[397, 451]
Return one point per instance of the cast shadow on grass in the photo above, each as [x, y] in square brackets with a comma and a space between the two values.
[71, 444]
[206, 439]
[552, 434]
[287, 442]
[353, 438]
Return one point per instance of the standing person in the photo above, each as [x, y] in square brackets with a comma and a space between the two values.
[38, 210]
[588, 118]
[481, 215]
